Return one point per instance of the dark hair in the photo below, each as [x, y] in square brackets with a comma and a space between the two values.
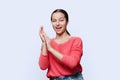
[65, 14]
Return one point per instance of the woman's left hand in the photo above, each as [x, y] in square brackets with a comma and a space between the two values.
[48, 42]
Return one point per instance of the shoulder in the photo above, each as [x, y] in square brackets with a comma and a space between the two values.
[77, 43]
[77, 39]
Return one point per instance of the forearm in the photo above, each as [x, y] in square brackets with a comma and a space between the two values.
[56, 53]
[43, 60]
[43, 49]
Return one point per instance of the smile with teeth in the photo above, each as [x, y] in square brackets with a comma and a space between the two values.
[58, 28]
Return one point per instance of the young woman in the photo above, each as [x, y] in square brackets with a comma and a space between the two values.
[61, 55]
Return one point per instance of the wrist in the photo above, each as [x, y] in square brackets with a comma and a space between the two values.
[50, 49]
[43, 43]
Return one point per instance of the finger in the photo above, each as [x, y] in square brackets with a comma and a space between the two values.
[41, 34]
[41, 29]
[46, 37]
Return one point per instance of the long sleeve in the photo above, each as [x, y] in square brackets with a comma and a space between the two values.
[43, 62]
[70, 62]
[73, 59]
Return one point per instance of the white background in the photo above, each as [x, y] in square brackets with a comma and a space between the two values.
[97, 22]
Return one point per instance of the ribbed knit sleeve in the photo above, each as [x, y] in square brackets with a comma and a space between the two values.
[73, 59]
[43, 62]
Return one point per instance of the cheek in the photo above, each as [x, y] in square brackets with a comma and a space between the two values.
[53, 25]
[65, 25]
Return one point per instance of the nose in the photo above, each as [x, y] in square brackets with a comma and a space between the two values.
[57, 23]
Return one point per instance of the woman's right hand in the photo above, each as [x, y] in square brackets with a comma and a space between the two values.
[43, 47]
[41, 34]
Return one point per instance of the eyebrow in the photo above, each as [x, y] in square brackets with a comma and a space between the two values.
[60, 18]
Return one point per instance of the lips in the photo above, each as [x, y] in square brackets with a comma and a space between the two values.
[58, 27]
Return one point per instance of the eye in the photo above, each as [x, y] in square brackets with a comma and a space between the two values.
[53, 20]
[61, 20]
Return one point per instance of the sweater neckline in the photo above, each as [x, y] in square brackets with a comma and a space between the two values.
[62, 42]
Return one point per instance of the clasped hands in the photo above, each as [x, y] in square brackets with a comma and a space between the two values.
[44, 38]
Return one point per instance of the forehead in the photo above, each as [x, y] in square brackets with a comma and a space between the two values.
[58, 15]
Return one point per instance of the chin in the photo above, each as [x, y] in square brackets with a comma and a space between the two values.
[58, 33]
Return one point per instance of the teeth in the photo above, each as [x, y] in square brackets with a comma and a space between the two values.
[58, 27]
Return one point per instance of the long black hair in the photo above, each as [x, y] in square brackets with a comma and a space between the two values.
[65, 14]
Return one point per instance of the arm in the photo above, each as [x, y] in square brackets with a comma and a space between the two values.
[56, 53]
[43, 59]
[74, 58]
[71, 60]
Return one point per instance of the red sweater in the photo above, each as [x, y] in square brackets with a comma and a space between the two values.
[70, 63]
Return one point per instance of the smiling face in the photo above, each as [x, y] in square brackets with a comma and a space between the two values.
[59, 22]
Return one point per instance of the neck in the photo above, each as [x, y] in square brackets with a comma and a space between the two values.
[62, 36]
